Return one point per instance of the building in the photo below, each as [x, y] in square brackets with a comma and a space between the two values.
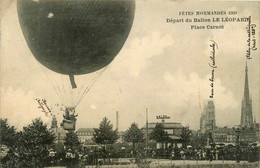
[59, 132]
[54, 122]
[207, 119]
[246, 132]
[224, 135]
[173, 129]
[203, 119]
[246, 110]
[120, 135]
[85, 135]
[249, 129]
[234, 136]
[60, 135]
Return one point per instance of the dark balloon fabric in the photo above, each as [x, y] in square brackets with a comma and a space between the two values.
[75, 37]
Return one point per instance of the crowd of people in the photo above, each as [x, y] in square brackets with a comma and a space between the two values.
[248, 153]
[70, 158]
[99, 155]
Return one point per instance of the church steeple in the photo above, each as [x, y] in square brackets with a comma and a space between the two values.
[54, 122]
[246, 111]
[246, 89]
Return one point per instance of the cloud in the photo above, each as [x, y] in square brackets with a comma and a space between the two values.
[195, 90]
[20, 108]
[136, 57]
[189, 94]
[145, 72]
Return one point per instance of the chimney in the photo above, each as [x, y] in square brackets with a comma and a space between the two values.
[117, 120]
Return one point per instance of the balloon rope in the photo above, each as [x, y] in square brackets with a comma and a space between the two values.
[91, 79]
[87, 89]
[69, 88]
[76, 93]
[53, 85]
[94, 80]
[46, 75]
[72, 99]
[64, 91]
[61, 97]
[81, 90]
[58, 88]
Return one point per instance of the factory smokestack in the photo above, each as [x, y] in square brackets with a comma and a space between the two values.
[117, 120]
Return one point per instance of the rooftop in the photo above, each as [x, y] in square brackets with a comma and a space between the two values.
[165, 125]
[85, 130]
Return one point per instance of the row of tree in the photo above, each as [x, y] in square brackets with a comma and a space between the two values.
[29, 147]
[106, 135]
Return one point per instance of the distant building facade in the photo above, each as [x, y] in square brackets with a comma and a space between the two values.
[59, 132]
[60, 135]
[207, 119]
[173, 129]
[120, 135]
[246, 132]
[85, 135]
[236, 136]
[54, 123]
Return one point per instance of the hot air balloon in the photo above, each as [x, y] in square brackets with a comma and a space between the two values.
[75, 38]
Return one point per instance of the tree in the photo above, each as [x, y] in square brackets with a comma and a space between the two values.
[159, 134]
[33, 143]
[8, 134]
[185, 136]
[105, 133]
[197, 140]
[133, 135]
[37, 134]
[72, 139]
[31, 146]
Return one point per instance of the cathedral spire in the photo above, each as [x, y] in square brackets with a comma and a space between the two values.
[246, 89]
[246, 111]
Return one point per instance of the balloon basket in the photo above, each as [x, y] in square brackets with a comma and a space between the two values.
[69, 119]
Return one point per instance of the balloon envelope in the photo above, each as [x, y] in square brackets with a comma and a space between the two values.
[75, 37]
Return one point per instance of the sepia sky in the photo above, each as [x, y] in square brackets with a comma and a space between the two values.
[163, 67]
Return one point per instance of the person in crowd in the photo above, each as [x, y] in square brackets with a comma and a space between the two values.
[182, 154]
[69, 157]
[52, 157]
